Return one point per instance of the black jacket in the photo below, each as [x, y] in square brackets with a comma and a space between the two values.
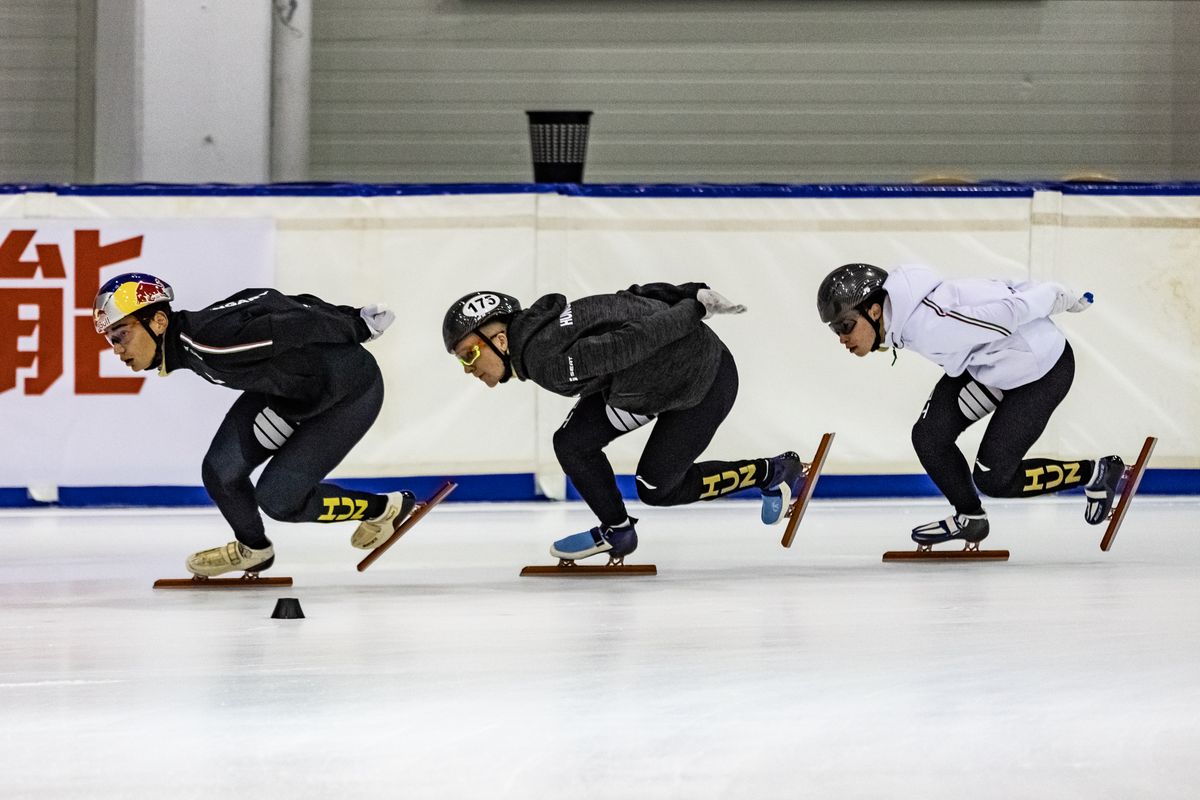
[299, 350]
[645, 349]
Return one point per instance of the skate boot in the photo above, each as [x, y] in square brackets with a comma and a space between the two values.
[617, 542]
[1102, 488]
[230, 558]
[371, 533]
[972, 528]
[787, 477]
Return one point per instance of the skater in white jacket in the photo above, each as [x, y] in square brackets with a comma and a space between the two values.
[1002, 355]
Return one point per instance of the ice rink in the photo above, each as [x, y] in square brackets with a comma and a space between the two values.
[742, 670]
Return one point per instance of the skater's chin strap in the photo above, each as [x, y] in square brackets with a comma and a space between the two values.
[504, 357]
[157, 361]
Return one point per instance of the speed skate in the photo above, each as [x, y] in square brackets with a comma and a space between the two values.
[567, 568]
[925, 552]
[615, 541]
[249, 580]
[1129, 486]
[795, 511]
[403, 526]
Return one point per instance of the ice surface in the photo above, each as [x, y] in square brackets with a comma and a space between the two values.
[742, 670]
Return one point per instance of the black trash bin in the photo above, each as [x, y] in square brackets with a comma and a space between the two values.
[559, 143]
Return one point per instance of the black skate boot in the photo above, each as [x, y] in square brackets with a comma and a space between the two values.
[617, 542]
[971, 528]
[1101, 490]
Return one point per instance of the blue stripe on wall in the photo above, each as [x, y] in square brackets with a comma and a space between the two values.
[521, 486]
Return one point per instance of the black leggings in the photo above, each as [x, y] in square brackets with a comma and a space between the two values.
[1001, 469]
[667, 474]
[302, 454]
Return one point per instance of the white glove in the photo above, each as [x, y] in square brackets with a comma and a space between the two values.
[1070, 300]
[716, 303]
[377, 317]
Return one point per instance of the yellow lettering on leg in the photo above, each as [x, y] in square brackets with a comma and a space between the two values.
[747, 476]
[711, 482]
[331, 504]
[1033, 479]
[1052, 469]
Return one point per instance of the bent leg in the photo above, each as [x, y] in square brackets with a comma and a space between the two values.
[667, 473]
[953, 405]
[232, 456]
[579, 446]
[1001, 469]
[291, 487]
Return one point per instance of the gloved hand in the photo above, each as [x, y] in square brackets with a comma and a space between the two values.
[378, 318]
[717, 303]
[1070, 300]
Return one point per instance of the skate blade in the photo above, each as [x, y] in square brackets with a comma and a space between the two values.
[795, 512]
[577, 571]
[927, 553]
[248, 581]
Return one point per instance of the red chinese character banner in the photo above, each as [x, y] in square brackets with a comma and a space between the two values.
[71, 414]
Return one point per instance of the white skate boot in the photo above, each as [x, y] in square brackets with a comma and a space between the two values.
[230, 558]
[371, 533]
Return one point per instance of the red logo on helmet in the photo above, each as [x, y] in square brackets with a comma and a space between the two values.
[149, 292]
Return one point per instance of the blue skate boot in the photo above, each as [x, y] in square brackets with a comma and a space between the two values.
[787, 477]
[1101, 490]
[971, 528]
[617, 542]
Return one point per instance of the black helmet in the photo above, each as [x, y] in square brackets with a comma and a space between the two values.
[469, 312]
[846, 287]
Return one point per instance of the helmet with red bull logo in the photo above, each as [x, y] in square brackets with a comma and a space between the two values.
[126, 294]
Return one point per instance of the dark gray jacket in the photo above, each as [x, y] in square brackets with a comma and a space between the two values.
[303, 353]
[644, 355]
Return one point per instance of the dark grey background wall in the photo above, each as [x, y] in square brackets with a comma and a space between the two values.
[759, 90]
[40, 93]
[689, 90]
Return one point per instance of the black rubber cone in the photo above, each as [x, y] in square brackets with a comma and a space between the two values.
[287, 608]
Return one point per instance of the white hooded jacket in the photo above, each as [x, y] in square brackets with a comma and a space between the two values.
[998, 331]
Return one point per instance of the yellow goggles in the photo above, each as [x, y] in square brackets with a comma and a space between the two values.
[472, 358]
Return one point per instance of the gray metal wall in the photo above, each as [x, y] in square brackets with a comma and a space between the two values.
[689, 90]
[39, 97]
[759, 90]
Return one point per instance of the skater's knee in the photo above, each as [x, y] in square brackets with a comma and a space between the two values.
[279, 501]
[994, 482]
[921, 438]
[930, 438]
[570, 453]
[651, 496]
[563, 450]
[219, 474]
[656, 490]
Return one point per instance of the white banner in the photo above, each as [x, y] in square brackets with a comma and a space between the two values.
[71, 414]
[1137, 370]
